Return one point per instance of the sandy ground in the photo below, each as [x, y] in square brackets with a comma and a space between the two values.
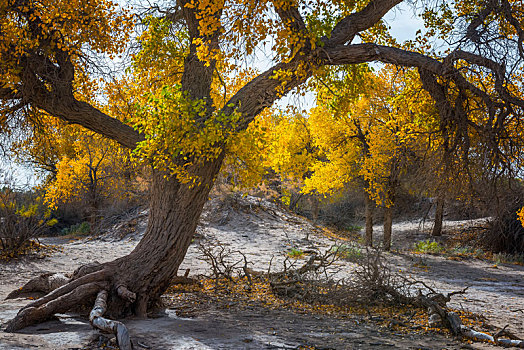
[264, 233]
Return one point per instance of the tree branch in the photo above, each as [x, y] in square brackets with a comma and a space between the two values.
[291, 17]
[348, 27]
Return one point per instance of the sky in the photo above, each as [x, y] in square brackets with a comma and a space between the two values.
[402, 21]
[16, 175]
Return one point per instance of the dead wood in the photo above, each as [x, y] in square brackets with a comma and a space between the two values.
[109, 326]
[439, 315]
[374, 283]
[224, 262]
[41, 285]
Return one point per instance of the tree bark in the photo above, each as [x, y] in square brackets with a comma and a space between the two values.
[174, 212]
[388, 223]
[369, 220]
[439, 215]
[148, 270]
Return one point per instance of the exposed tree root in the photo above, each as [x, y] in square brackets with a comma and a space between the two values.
[43, 308]
[40, 285]
[98, 276]
[125, 294]
[63, 294]
[109, 326]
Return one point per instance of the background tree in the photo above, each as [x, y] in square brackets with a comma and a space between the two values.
[77, 166]
[369, 129]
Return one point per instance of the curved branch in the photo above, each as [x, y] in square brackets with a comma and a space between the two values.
[361, 53]
[478, 19]
[496, 68]
[78, 112]
[508, 14]
[348, 27]
[265, 89]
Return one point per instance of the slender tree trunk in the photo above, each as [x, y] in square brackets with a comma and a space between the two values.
[295, 197]
[314, 208]
[93, 204]
[439, 214]
[388, 223]
[369, 220]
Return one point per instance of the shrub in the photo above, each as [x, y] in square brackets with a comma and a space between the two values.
[79, 229]
[20, 223]
[348, 252]
[506, 258]
[295, 253]
[428, 247]
[353, 228]
[468, 251]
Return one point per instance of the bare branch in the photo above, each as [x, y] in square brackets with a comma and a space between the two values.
[478, 20]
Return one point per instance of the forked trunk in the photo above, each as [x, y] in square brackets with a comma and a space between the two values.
[388, 223]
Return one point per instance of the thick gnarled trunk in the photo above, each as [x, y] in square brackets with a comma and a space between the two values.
[136, 281]
[174, 212]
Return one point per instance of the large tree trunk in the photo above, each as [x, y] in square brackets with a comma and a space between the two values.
[173, 218]
[369, 220]
[136, 281]
[388, 223]
[439, 215]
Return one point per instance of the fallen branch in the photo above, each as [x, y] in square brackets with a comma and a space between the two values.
[436, 306]
[109, 326]
[373, 281]
[459, 329]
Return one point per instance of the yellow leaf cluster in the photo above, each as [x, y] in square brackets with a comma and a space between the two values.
[56, 28]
